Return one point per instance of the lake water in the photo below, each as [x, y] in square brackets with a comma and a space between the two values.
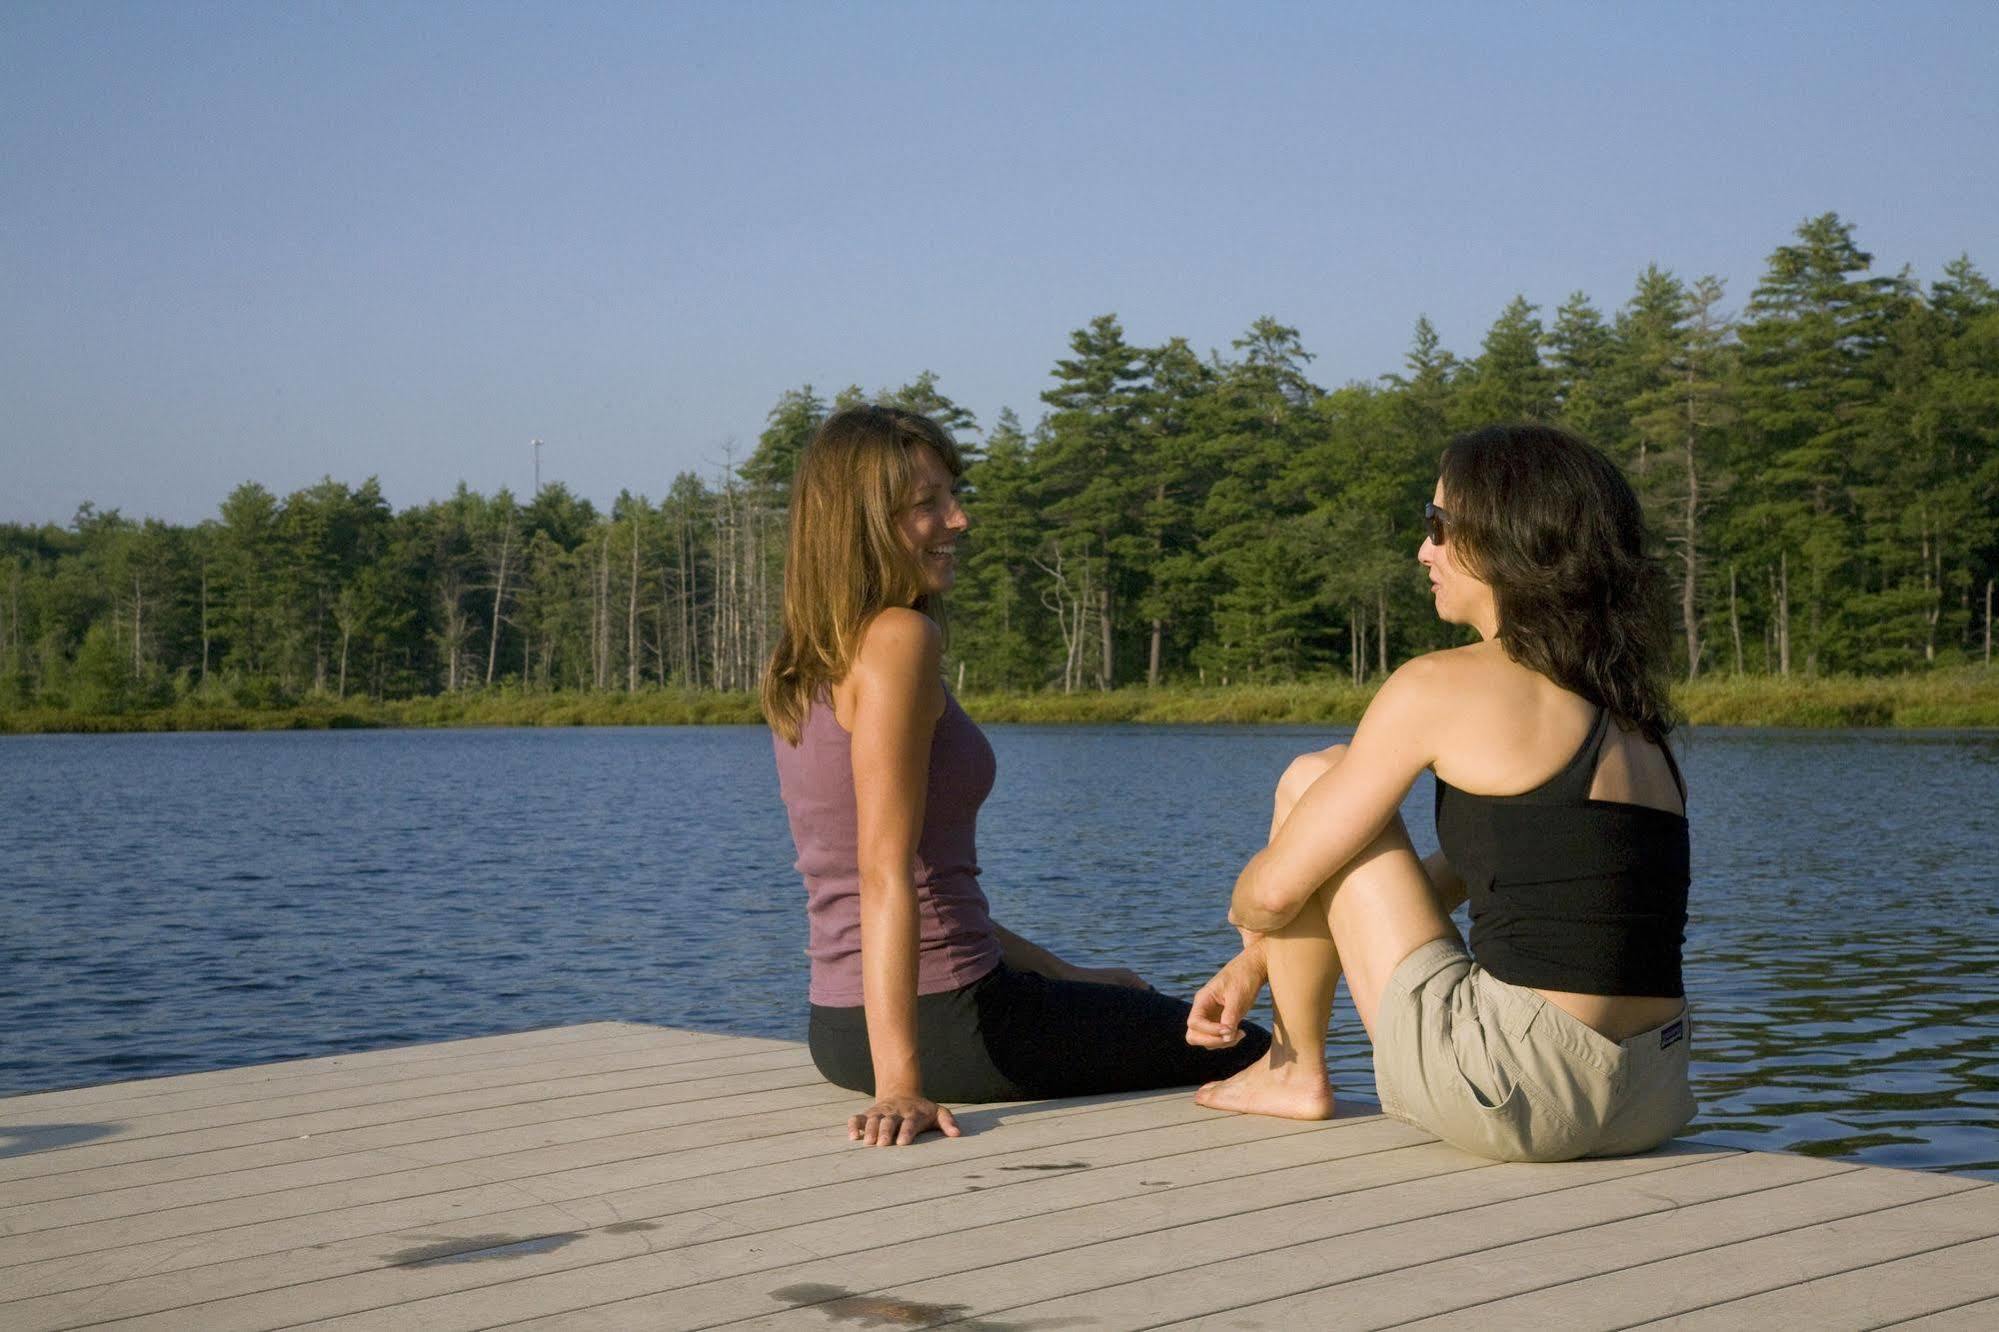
[170, 903]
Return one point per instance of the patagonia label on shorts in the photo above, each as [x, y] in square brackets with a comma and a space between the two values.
[1671, 1032]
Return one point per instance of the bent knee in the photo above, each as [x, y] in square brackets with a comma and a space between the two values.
[1306, 769]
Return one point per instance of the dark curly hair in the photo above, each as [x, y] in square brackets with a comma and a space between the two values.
[1553, 527]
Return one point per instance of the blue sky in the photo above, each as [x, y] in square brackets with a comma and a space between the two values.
[275, 242]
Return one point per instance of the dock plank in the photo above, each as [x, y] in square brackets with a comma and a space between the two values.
[615, 1175]
[1981, 1316]
[1606, 1271]
[1940, 1282]
[681, 1248]
[1048, 1214]
[432, 1119]
[53, 1141]
[375, 1066]
[717, 1173]
[1722, 1261]
[1218, 1266]
[753, 1109]
[244, 1103]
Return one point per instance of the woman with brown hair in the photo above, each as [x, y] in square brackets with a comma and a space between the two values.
[1563, 1031]
[918, 996]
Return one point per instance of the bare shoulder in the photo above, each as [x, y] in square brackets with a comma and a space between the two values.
[899, 640]
[1425, 708]
[1434, 678]
[899, 665]
[1406, 715]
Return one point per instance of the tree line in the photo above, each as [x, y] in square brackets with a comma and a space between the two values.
[1822, 468]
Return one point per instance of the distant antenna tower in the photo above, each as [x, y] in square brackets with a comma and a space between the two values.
[537, 468]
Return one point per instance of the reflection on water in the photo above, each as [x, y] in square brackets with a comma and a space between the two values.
[172, 903]
[1882, 1047]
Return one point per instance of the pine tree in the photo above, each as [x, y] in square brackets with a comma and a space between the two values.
[1649, 341]
[1425, 398]
[922, 396]
[1678, 420]
[1810, 341]
[1257, 422]
[1963, 395]
[246, 615]
[1508, 381]
[1089, 488]
[993, 625]
[1176, 471]
[786, 431]
[1581, 351]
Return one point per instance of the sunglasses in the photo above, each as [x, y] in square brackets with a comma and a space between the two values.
[1435, 523]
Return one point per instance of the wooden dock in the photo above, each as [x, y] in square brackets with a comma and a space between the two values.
[626, 1177]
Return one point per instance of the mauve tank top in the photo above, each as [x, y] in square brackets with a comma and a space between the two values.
[955, 928]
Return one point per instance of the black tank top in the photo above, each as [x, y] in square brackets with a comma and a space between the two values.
[1570, 893]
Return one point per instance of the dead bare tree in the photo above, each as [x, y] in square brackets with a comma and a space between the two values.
[632, 614]
[499, 601]
[1066, 594]
[454, 626]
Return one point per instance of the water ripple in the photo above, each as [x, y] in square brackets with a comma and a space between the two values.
[182, 902]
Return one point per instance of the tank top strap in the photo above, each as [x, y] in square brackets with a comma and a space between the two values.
[1666, 748]
[1571, 785]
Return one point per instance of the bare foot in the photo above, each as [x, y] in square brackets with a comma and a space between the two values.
[1290, 1092]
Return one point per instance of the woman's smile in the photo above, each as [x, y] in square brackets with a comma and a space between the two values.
[933, 520]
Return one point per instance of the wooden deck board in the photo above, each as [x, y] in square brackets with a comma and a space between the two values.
[680, 1248]
[373, 1067]
[311, 1137]
[247, 1103]
[1979, 1316]
[1939, 1282]
[1048, 1212]
[1218, 1266]
[670, 1182]
[1725, 1259]
[618, 1176]
[1610, 1271]
[752, 1110]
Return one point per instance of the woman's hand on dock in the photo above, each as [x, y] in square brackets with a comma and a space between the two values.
[1215, 1020]
[896, 1121]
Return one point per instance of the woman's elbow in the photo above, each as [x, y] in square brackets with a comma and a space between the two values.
[1262, 905]
[1270, 909]
[886, 890]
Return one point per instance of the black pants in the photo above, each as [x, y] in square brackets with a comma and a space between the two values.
[1012, 1035]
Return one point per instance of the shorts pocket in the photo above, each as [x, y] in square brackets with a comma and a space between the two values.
[1485, 1082]
[1482, 1015]
[1491, 1114]
[1505, 1109]
[1579, 1072]
[1491, 1091]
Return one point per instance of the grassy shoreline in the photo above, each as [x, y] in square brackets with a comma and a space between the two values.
[1965, 697]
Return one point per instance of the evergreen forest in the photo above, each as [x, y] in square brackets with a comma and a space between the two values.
[1820, 462]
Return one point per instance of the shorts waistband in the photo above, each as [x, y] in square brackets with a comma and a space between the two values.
[1668, 1043]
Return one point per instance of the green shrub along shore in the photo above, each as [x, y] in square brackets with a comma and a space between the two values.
[1964, 697]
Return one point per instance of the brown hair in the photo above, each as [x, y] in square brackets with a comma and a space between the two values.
[845, 560]
[1553, 527]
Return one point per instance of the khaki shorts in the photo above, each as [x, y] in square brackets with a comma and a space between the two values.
[1496, 1070]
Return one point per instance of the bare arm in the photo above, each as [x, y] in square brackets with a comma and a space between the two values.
[1214, 1019]
[897, 700]
[1025, 955]
[1310, 844]
[1348, 807]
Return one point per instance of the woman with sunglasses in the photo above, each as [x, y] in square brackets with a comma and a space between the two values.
[1562, 1031]
[917, 995]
